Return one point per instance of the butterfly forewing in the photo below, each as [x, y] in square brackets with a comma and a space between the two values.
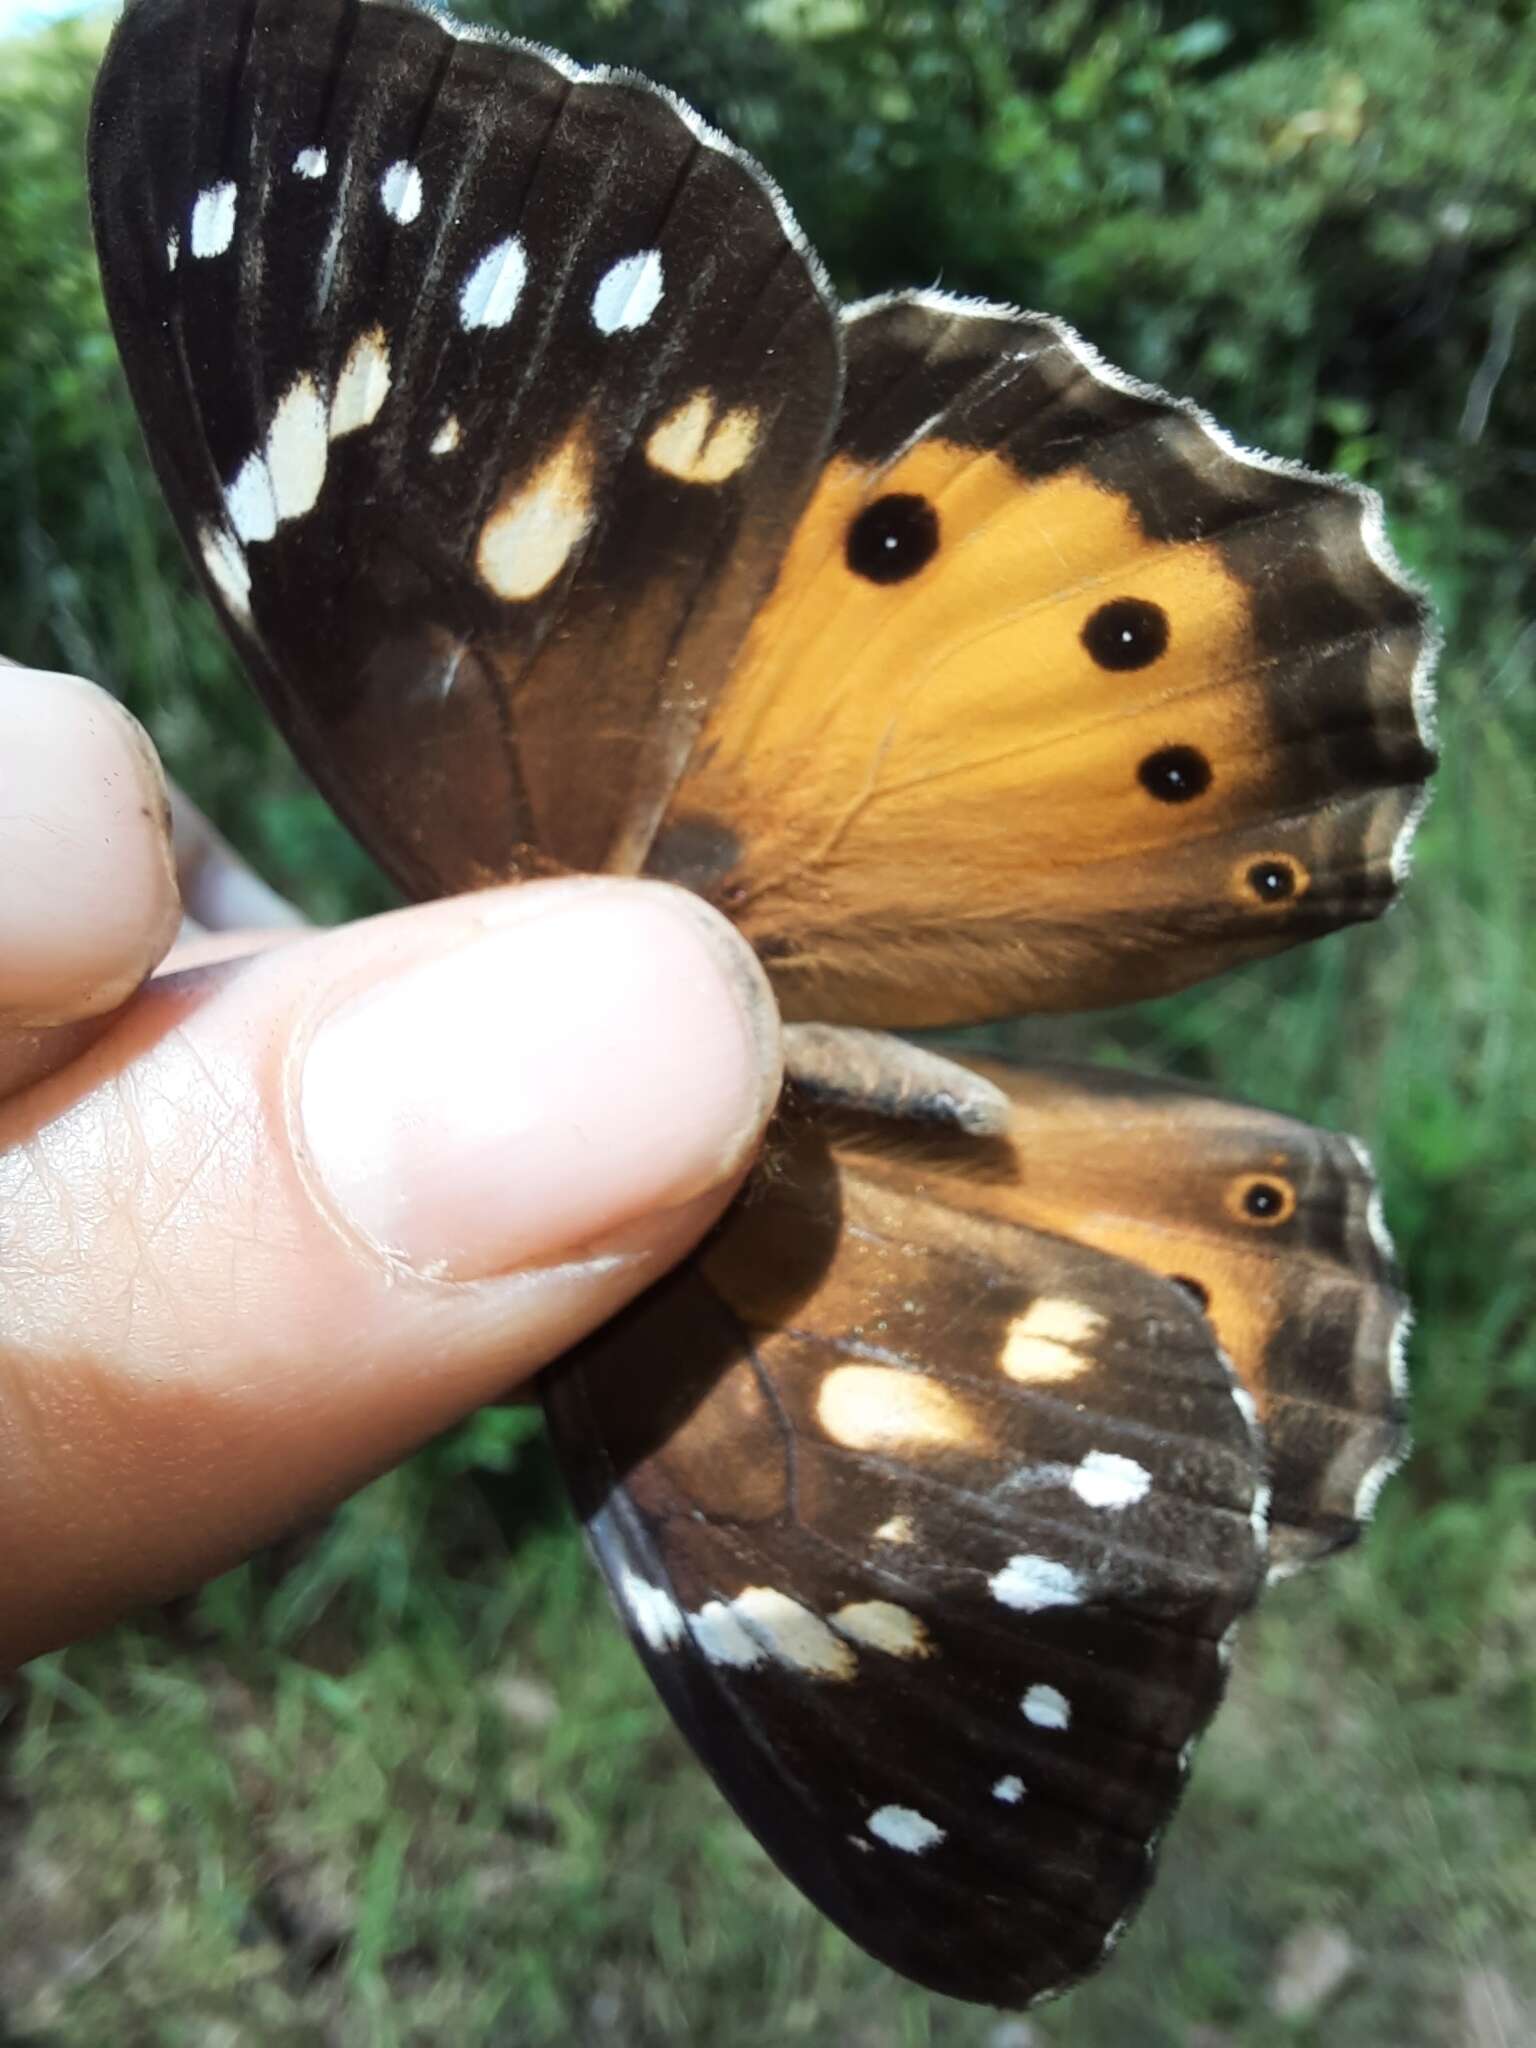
[1061, 699]
[486, 393]
[931, 1528]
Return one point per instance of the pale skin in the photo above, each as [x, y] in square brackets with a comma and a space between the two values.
[277, 1205]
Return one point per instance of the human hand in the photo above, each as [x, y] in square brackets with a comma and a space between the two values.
[277, 1205]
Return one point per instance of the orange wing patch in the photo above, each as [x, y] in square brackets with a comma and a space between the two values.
[972, 703]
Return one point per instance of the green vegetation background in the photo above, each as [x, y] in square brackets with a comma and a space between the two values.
[395, 1785]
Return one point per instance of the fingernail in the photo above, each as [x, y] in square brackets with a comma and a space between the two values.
[88, 906]
[546, 1084]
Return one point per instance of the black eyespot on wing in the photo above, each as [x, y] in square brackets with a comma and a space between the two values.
[1127, 633]
[893, 538]
[1264, 1201]
[1175, 775]
[1272, 881]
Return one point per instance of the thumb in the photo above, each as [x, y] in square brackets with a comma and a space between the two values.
[297, 1212]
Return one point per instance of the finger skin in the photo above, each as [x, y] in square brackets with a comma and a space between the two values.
[200, 1345]
[88, 899]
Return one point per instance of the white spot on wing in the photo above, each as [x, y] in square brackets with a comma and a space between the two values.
[900, 1828]
[363, 385]
[213, 220]
[298, 449]
[224, 559]
[1010, 1790]
[1045, 1707]
[629, 293]
[1031, 1584]
[882, 1625]
[898, 1529]
[172, 250]
[400, 190]
[252, 502]
[1258, 1515]
[312, 163]
[494, 286]
[654, 1612]
[447, 437]
[720, 1635]
[1106, 1480]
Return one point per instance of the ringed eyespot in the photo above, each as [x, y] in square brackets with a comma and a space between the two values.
[1175, 775]
[1274, 879]
[893, 538]
[1262, 1198]
[1127, 633]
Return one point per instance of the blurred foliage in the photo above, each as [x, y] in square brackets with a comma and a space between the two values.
[1320, 218]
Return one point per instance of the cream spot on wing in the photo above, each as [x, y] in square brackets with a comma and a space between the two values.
[722, 1638]
[363, 385]
[213, 220]
[629, 293]
[897, 1530]
[252, 502]
[494, 286]
[1045, 1707]
[1246, 1406]
[792, 1634]
[1258, 1515]
[654, 1612]
[1106, 1480]
[1048, 1342]
[1010, 1790]
[1031, 1584]
[696, 447]
[224, 559]
[447, 437]
[900, 1828]
[879, 1408]
[311, 163]
[298, 448]
[532, 533]
[882, 1625]
[401, 191]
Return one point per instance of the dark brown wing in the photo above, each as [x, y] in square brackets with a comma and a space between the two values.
[932, 1529]
[485, 392]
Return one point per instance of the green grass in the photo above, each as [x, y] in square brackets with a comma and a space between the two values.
[401, 1781]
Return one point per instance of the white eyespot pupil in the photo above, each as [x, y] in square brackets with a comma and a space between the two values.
[401, 191]
[629, 293]
[213, 220]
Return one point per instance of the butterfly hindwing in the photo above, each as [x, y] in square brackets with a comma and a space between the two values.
[1272, 1226]
[486, 393]
[931, 1528]
[1060, 698]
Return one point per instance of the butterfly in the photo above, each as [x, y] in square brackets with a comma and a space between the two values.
[566, 522]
